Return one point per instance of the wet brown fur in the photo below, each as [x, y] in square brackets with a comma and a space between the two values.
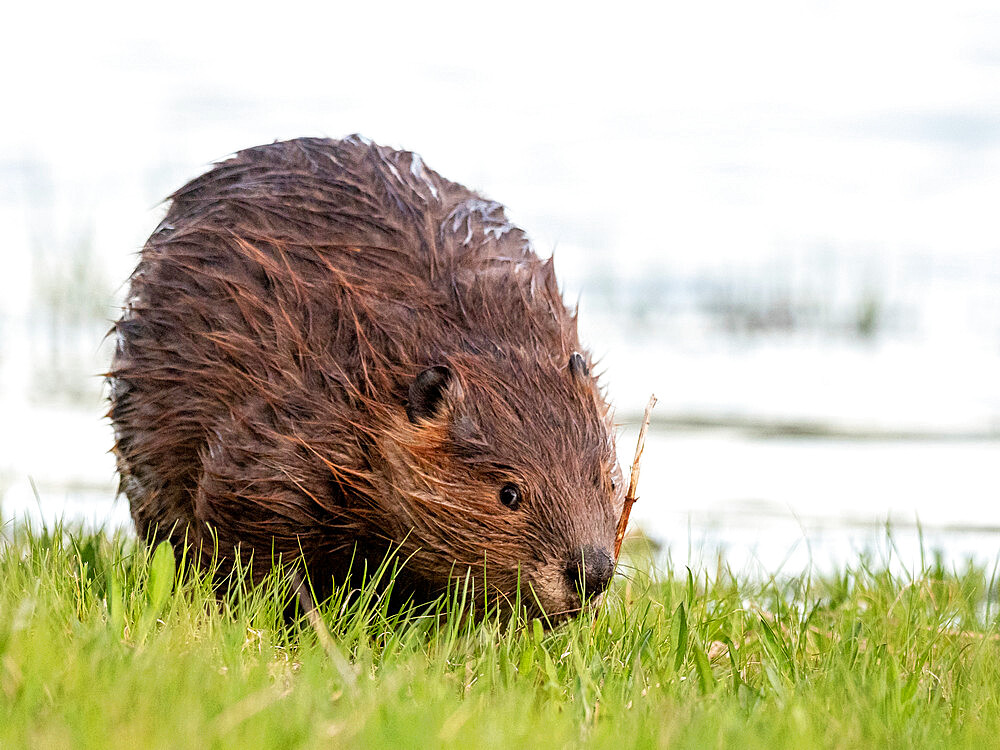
[273, 326]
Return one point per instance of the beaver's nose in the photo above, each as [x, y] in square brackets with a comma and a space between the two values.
[590, 569]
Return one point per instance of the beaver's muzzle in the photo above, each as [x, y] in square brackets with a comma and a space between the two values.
[589, 571]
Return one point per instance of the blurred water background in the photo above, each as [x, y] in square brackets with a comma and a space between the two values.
[781, 218]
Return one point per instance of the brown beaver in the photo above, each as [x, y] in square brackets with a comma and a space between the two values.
[329, 351]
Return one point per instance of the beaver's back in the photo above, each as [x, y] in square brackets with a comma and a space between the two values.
[294, 290]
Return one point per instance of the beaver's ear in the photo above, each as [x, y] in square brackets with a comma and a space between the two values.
[426, 398]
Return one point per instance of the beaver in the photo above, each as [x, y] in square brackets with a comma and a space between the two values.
[328, 352]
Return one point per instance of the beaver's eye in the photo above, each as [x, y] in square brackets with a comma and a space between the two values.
[510, 496]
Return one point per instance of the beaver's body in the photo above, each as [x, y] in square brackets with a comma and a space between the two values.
[328, 350]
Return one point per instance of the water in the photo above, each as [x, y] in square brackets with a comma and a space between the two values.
[785, 504]
[800, 247]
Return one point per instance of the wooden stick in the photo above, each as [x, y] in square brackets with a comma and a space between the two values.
[340, 662]
[301, 590]
[633, 480]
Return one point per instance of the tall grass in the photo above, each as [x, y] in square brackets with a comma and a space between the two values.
[105, 644]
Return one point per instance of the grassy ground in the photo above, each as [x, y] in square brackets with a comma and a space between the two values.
[101, 647]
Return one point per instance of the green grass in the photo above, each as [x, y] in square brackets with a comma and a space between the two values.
[105, 645]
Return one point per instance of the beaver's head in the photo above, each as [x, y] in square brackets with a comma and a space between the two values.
[504, 465]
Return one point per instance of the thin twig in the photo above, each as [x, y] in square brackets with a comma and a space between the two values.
[633, 481]
[340, 663]
[630, 498]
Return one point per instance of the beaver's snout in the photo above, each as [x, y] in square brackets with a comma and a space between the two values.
[589, 572]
